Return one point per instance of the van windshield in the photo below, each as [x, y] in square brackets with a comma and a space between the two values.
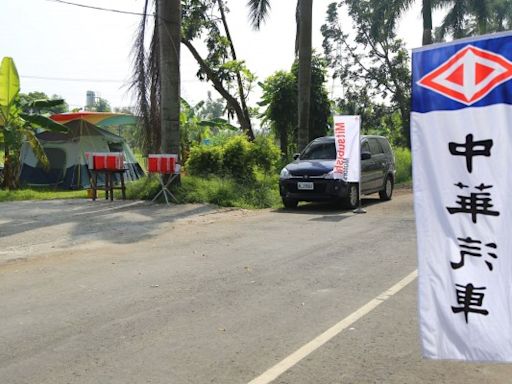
[319, 151]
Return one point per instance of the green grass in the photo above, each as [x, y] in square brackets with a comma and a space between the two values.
[225, 192]
[403, 165]
[40, 194]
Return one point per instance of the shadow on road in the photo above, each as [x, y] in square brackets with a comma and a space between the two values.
[329, 209]
[117, 222]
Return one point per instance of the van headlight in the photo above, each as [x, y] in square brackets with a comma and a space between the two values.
[329, 175]
[285, 174]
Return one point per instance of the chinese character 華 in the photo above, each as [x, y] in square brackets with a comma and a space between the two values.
[477, 203]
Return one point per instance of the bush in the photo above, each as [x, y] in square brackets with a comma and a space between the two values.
[266, 154]
[238, 173]
[238, 161]
[227, 192]
[236, 158]
[403, 165]
[205, 160]
[262, 192]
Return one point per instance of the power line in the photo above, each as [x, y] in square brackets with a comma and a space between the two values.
[73, 79]
[99, 8]
[91, 80]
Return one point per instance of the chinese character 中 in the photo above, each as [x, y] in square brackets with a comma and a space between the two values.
[470, 247]
[471, 148]
[475, 204]
[469, 299]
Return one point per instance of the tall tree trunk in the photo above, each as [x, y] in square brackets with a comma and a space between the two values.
[305, 30]
[169, 28]
[427, 22]
[248, 131]
[9, 176]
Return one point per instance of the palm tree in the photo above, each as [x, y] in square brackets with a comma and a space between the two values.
[305, 21]
[396, 9]
[464, 18]
[500, 15]
[155, 79]
[169, 30]
[259, 10]
[426, 11]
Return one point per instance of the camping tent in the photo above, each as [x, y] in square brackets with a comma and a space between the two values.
[100, 119]
[66, 154]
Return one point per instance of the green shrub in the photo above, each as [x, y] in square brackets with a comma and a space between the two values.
[237, 173]
[205, 160]
[143, 189]
[403, 165]
[227, 192]
[266, 154]
[237, 160]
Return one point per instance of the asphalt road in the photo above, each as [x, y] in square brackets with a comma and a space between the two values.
[137, 293]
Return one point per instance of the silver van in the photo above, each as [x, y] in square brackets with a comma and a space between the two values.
[310, 176]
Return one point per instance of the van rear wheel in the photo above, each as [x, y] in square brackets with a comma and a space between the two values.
[387, 192]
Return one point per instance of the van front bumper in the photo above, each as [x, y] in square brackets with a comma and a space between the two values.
[323, 189]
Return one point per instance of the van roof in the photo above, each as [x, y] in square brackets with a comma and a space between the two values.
[331, 138]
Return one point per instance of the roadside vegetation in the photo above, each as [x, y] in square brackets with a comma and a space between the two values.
[222, 191]
[403, 165]
[234, 172]
[227, 159]
[39, 194]
[237, 173]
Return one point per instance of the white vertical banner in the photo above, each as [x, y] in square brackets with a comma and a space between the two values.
[348, 157]
[461, 128]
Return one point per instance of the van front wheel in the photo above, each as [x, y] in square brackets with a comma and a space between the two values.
[290, 203]
[352, 199]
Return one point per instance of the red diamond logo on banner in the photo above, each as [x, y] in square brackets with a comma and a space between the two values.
[469, 75]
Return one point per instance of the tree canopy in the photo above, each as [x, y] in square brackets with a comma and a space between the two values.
[280, 97]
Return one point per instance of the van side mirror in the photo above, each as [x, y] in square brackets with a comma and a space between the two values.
[296, 156]
[366, 155]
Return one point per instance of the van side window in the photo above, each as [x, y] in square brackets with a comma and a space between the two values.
[375, 146]
[385, 145]
[365, 147]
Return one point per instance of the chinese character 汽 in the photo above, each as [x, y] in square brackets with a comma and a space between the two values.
[473, 248]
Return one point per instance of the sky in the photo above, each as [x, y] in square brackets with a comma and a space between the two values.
[65, 50]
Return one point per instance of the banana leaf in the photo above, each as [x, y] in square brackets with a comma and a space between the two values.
[9, 82]
[43, 122]
[38, 149]
[217, 122]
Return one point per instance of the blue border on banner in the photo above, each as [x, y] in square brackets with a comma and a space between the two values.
[426, 59]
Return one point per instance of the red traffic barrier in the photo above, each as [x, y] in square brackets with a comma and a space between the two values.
[163, 164]
[105, 160]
